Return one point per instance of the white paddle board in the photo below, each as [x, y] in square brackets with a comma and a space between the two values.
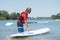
[31, 33]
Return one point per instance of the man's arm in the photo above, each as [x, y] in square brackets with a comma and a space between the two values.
[26, 23]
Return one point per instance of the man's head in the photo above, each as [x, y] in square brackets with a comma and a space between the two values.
[28, 10]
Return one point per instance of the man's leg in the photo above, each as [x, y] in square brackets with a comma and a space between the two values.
[20, 27]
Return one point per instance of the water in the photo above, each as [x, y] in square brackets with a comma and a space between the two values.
[54, 34]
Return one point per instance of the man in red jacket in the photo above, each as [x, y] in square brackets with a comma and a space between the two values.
[22, 18]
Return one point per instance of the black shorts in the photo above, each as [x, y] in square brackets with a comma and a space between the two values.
[19, 24]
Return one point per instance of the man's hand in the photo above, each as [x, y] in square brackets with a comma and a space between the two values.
[28, 29]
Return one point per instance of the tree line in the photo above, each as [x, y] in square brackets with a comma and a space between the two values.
[4, 15]
[56, 16]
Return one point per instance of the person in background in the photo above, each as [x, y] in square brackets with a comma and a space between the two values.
[22, 19]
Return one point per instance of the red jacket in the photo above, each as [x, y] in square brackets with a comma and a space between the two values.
[24, 15]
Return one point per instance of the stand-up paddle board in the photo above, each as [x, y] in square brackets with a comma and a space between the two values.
[31, 33]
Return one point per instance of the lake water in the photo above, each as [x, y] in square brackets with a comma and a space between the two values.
[54, 34]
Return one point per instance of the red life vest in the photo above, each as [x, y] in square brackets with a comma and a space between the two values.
[23, 16]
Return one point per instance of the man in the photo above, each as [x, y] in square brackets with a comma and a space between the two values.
[22, 18]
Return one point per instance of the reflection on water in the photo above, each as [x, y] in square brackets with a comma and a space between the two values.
[25, 38]
[38, 38]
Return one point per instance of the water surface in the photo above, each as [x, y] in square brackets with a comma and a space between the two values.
[54, 34]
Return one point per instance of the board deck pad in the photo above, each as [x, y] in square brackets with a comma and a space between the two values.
[31, 33]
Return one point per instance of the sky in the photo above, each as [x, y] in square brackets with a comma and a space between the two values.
[40, 8]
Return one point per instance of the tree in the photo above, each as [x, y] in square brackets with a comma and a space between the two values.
[2, 18]
[13, 16]
[4, 14]
[0, 13]
[58, 14]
